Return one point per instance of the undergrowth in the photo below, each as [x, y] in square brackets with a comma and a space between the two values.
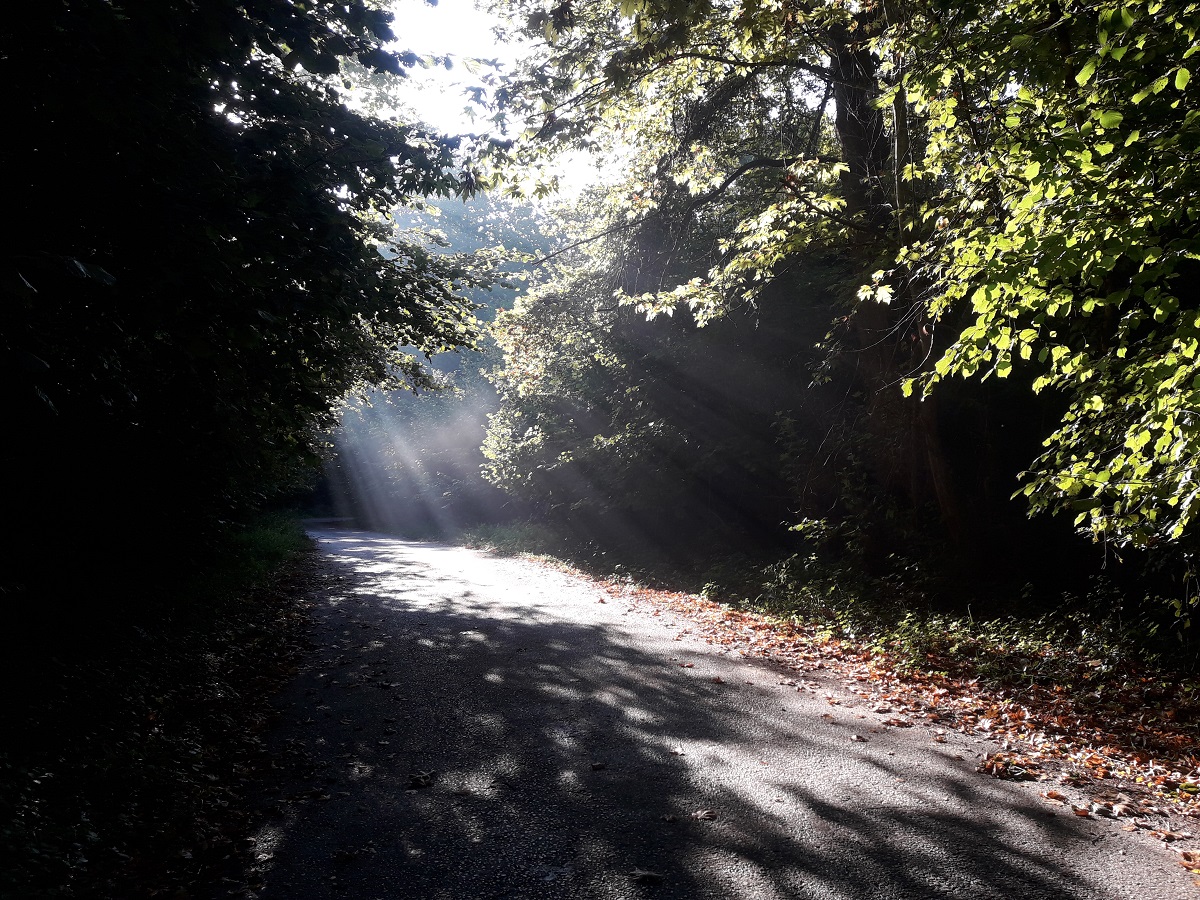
[904, 614]
[1045, 641]
[124, 756]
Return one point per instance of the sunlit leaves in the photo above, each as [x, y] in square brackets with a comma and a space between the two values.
[1083, 265]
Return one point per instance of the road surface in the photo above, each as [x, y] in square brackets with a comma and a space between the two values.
[470, 726]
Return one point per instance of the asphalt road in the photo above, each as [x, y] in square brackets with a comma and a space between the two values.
[477, 727]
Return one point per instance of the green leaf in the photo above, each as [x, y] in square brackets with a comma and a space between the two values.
[1182, 77]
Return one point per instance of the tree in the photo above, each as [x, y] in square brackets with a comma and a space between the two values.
[1066, 246]
[195, 274]
[1016, 174]
[734, 173]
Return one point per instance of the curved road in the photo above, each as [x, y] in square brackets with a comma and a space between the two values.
[477, 727]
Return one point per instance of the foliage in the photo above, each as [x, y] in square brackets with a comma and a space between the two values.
[1065, 159]
[197, 274]
[1015, 177]
[738, 197]
[634, 430]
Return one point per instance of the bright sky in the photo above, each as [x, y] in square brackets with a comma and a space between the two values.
[453, 28]
[456, 28]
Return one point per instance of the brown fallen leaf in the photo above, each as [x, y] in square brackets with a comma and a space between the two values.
[1168, 836]
[1056, 796]
[1082, 811]
[717, 679]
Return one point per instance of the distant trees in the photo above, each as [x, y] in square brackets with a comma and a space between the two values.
[411, 461]
[192, 273]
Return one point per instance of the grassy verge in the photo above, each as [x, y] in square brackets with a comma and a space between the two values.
[126, 759]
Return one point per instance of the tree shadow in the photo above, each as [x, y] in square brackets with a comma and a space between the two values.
[444, 744]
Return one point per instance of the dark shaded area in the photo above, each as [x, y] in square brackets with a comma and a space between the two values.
[126, 759]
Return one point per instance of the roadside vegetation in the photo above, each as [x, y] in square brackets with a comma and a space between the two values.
[128, 758]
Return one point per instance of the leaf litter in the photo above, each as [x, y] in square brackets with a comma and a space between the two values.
[1130, 741]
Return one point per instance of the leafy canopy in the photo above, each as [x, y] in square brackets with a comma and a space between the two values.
[202, 265]
[1021, 177]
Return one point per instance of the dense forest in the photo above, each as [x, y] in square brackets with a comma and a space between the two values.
[899, 290]
[882, 308]
[861, 283]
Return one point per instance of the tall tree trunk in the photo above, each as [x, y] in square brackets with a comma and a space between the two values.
[859, 124]
[877, 196]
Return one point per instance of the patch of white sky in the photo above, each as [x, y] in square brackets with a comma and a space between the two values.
[460, 31]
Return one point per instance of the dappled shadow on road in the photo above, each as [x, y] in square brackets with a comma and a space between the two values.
[462, 735]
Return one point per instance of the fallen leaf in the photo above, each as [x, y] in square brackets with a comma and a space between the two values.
[704, 815]
[1167, 836]
[421, 779]
[645, 876]
[858, 738]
